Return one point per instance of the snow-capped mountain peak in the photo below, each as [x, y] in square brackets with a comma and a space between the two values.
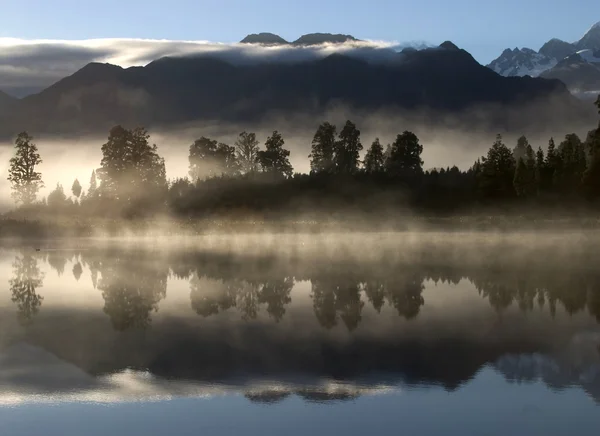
[522, 62]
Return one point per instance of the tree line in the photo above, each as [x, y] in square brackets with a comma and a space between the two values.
[132, 287]
[131, 178]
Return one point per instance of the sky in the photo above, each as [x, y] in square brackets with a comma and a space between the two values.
[484, 28]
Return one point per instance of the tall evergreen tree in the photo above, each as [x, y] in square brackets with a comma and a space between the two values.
[572, 164]
[76, 189]
[323, 149]
[347, 149]
[405, 156]
[375, 158]
[520, 150]
[497, 172]
[591, 177]
[247, 149]
[25, 180]
[274, 159]
[92, 191]
[540, 164]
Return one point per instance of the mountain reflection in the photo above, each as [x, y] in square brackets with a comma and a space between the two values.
[242, 319]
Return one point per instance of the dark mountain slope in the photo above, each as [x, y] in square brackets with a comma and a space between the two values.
[173, 90]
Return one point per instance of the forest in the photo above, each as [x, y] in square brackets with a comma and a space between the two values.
[244, 180]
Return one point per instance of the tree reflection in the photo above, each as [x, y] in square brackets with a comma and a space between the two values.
[210, 297]
[132, 289]
[77, 271]
[333, 298]
[27, 278]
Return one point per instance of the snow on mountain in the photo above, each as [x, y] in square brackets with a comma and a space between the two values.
[522, 62]
[576, 64]
[590, 56]
[591, 39]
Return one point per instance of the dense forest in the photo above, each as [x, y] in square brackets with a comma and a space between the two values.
[243, 180]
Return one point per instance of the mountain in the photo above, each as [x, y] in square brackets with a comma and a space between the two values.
[6, 101]
[557, 49]
[579, 71]
[591, 40]
[521, 62]
[528, 62]
[304, 40]
[264, 38]
[323, 38]
[168, 91]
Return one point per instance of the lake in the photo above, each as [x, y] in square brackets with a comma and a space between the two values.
[383, 333]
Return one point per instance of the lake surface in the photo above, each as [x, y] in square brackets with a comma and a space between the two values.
[319, 334]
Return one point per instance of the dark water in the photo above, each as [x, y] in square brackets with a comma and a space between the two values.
[356, 334]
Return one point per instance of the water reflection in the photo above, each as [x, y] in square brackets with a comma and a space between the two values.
[243, 326]
[27, 278]
[133, 284]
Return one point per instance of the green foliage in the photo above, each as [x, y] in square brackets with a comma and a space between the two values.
[540, 165]
[323, 149]
[208, 158]
[246, 149]
[274, 160]
[25, 180]
[405, 156]
[57, 198]
[76, 189]
[571, 164]
[93, 185]
[131, 170]
[375, 158]
[591, 177]
[520, 151]
[347, 149]
[497, 172]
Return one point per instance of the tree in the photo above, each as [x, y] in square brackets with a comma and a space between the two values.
[27, 278]
[201, 158]
[571, 164]
[274, 159]
[550, 167]
[76, 189]
[591, 177]
[347, 149]
[524, 180]
[25, 180]
[93, 185]
[520, 151]
[246, 148]
[539, 168]
[131, 169]
[323, 149]
[497, 171]
[405, 156]
[208, 158]
[57, 198]
[375, 158]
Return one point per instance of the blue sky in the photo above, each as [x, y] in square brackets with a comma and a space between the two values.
[482, 27]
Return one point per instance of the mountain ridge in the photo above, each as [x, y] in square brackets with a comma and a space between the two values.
[525, 61]
[266, 38]
[174, 90]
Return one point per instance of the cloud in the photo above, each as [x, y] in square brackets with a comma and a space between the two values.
[28, 66]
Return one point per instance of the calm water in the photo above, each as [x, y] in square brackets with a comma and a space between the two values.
[361, 334]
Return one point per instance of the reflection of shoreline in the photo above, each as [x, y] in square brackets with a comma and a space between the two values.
[31, 375]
